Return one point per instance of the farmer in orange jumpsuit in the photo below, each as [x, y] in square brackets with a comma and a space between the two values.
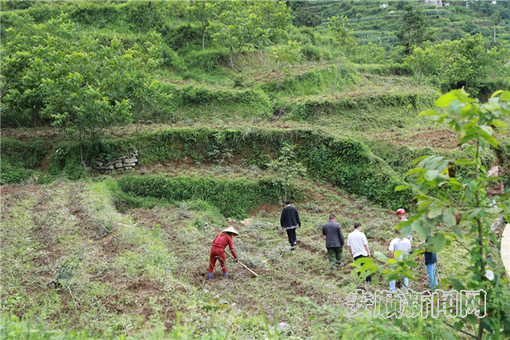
[218, 251]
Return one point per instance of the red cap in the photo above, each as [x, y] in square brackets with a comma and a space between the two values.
[401, 211]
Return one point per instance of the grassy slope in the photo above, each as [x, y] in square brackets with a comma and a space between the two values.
[137, 278]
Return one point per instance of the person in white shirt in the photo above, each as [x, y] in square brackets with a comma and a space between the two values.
[358, 246]
[403, 245]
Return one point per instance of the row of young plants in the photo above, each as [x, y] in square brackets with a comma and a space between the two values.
[233, 197]
[312, 108]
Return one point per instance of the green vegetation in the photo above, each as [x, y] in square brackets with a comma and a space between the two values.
[240, 105]
[446, 198]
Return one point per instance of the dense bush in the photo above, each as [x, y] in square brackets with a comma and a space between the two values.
[256, 100]
[234, 198]
[314, 53]
[184, 35]
[28, 155]
[19, 158]
[96, 14]
[208, 60]
[172, 60]
[482, 89]
[13, 173]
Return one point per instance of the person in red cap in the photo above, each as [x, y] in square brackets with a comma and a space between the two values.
[221, 241]
[400, 214]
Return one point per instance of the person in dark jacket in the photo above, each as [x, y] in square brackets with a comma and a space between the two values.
[430, 263]
[221, 241]
[290, 221]
[334, 241]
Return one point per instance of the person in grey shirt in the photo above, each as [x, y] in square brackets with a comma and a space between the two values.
[334, 241]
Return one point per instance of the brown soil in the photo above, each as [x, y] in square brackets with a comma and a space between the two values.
[439, 139]
[272, 75]
[308, 247]
[144, 288]
[9, 189]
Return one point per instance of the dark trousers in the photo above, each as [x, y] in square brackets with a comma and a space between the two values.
[369, 277]
[292, 236]
[335, 256]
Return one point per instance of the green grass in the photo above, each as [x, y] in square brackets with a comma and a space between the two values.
[136, 280]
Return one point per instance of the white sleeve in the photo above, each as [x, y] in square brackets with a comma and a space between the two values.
[364, 239]
[392, 245]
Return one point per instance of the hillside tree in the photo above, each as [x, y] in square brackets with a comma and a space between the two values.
[237, 27]
[338, 31]
[422, 61]
[285, 56]
[274, 15]
[201, 12]
[468, 60]
[413, 28]
[26, 52]
[287, 166]
[179, 8]
[303, 14]
[82, 86]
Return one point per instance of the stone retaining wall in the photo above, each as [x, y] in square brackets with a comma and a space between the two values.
[126, 162]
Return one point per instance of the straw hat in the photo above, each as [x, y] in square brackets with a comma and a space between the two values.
[230, 230]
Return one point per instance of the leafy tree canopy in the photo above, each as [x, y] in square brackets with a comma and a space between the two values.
[51, 70]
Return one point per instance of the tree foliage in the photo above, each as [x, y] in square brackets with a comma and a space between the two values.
[285, 56]
[273, 15]
[236, 26]
[338, 31]
[287, 166]
[304, 15]
[453, 206]
[413, 28]
[79, 84]
[465, 61]
[423, 60]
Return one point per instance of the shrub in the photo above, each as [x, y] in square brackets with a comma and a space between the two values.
[314, 53]
[208, 60]
[171, 59]
[27, 155]
[234, 198]
[13, 173]
[182, 36]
